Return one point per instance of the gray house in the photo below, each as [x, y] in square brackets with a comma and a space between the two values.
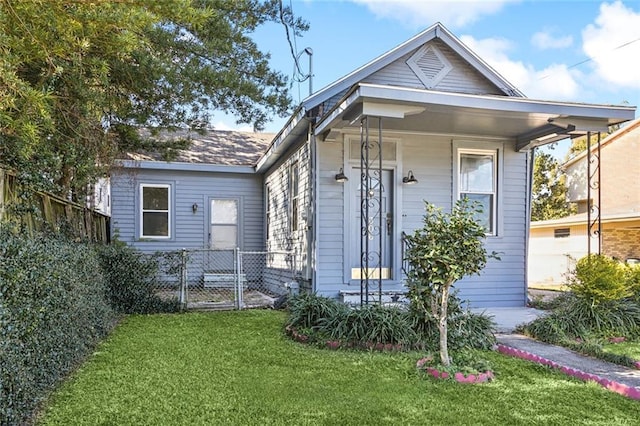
[346, 177]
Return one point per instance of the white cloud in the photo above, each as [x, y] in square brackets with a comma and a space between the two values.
[546, 40]
[452, 13]
[555, 82]
[613, 43]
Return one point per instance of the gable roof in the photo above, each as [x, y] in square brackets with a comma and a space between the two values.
[436, 31]
[219, 147]
[633, 126]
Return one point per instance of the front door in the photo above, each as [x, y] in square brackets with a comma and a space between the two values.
[379, 251]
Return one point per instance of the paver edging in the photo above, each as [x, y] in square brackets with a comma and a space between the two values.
[612, 385]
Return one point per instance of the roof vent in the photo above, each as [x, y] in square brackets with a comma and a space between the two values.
[429, 65]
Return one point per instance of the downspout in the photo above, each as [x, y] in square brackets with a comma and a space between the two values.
[312, 233]
[530, 162]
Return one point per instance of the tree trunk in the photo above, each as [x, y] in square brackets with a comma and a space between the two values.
[442, 327]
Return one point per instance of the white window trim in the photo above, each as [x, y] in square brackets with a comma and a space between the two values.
[495, 150]
[294, 199]
[141, 211]
[237, 224]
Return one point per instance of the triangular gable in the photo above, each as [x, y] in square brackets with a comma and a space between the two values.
[633, 126]
[439, 53]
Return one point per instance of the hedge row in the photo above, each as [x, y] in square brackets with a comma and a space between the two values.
[58, 299]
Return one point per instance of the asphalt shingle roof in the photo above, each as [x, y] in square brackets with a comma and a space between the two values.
[224, 147]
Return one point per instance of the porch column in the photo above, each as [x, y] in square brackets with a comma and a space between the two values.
[371, 225]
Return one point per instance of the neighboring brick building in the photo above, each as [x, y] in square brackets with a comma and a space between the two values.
[555, 244]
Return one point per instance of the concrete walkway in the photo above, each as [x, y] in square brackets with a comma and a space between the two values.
[623, 380]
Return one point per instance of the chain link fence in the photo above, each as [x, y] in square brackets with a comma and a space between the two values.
[225, 279]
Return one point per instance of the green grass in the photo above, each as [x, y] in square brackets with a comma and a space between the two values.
[630, 349]
[238, 368]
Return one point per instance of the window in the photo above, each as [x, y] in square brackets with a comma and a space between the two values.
[478, 182]
[294, 193]
[155, 215]
[224, 224]
[267, 196]
[561, 233]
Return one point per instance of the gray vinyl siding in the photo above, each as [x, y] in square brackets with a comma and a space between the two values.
[281, 237]
[462, 78]
[432, 159]
[188, 229]
[331, 221]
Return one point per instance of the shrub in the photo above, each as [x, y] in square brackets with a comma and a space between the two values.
[307, 311]
[53, 311]
[131, 277]
[599, 279]
[370, 324]
[465, 329]
[632, 278]
[323, 318]
[580, 318]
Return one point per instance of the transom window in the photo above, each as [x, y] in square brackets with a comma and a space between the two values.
[477, 181]
[224, 224]
[155, 214]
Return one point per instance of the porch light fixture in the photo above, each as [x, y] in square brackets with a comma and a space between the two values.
[409, 179]
[341, 177]
[194, 208]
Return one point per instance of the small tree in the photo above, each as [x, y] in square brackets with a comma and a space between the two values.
[447, 248]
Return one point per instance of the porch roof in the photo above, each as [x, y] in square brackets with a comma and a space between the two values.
[528, 122]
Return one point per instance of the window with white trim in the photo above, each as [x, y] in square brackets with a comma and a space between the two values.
[267, 196]
[294, 196]
[155, 211]
[224, 224]
[478, 181]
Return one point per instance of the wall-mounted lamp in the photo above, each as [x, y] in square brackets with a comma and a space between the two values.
[409, 179]
[341, 177]
[194, 208]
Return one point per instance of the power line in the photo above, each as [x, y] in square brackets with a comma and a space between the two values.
[591, 58]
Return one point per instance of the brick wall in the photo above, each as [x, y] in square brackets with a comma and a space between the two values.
[621, 243]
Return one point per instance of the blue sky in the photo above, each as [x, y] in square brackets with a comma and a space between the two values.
[583, 51]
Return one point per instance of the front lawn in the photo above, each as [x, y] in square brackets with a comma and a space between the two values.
[239, 368]
[629, 348]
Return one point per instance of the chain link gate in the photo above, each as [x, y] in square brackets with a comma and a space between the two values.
[225, 279]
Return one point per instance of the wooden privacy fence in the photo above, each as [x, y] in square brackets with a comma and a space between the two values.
[50, 212]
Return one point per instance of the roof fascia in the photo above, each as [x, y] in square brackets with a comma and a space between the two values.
[436, 31]
[376, 64]
[296, 124]
[187, 167]
[496, 103]
[477, 62]
[612, 137]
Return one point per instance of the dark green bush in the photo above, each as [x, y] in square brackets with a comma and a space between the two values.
[326, 318]
[465, 329]
[579, 318]
[308, 311]
[370, 324]
[53, 311]
[131, 280]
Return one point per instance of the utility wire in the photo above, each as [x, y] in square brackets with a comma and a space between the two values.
[298, 76]
[589, 59]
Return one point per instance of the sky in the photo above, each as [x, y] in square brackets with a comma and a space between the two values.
[580, 50]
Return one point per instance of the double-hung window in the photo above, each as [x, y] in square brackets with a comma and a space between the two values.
[155, 211]
[478, 181]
